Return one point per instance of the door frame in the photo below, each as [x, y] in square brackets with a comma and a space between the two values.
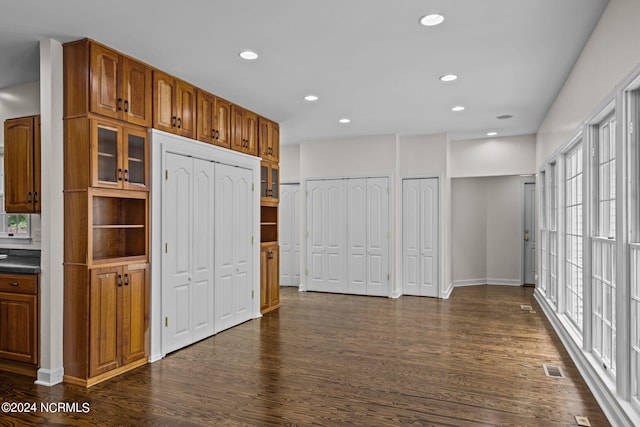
[162, 142]
[442, 292]
[528, 179]
[392, 229]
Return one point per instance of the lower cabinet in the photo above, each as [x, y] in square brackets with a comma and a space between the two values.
[19, 318]
[116, 324]
[269, 278]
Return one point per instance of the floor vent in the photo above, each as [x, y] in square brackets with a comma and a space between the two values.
[553, 371]
[526, 307]
[582, 421]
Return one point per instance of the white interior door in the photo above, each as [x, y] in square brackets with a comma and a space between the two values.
[177, 290]
[289, 234]
[233, 243]
[378, 236]
[326, 227]
[357, 236]
[202, 249]
[187, 302]
[529, 234]
[420, 242]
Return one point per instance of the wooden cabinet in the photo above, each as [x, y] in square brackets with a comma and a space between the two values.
[19, 318]
[118, 318]
[244, 130]
[22, 165]
[269, 140]
[174, 105]
[118, 86]
[269, 277]
[105, 153]
[213, 120]
[269, 183]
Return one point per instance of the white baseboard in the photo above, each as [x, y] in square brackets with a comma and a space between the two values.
[50, 377]
[446, 294]
[618, 411]
[155, 357]
[485, 281]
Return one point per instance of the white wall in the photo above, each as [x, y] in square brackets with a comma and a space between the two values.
[19, 101]
[609, 55]
[422, 154]
[290, 163]
[469, 218]
[509, 155]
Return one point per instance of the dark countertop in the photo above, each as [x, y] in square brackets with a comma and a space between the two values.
[20, 261]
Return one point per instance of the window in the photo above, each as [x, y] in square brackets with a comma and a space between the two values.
[573, 235]
[553, 234]
[603, 247]
[12, 225]
[543, 232]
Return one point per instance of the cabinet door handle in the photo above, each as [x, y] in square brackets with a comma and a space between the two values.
[119, 104]
[213, 133]
[126, 280]
[119, 174]
[217, 134]
[28, 196]
[173, 121]
[179, 123]
[14, 284]
[126, 175]
[126, 106]
[35, 197]
[119, 280]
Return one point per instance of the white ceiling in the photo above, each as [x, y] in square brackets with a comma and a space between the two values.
[368, 60]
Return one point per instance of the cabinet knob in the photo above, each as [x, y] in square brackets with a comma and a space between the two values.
[35, 197]
[173, 121]
[126, 175]
[119, 174]
[119, 104]
[126, 105]
[119, 280]
[28, 196]
[14, 284]
[179, 123]
[126, 280]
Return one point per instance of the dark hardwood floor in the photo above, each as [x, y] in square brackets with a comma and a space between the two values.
[322, 359]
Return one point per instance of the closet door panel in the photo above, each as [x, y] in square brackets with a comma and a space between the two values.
[410, 237]
[203, 248]
[285, 234]
[177, 283]
[377, 236]
[225, 264]
[429, 237]
[316, 247]
[242, 239]
[295, 235]
[336, 227]
[357, 236]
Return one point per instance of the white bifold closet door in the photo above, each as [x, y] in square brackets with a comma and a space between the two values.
[233, 246]
[420, 243]
[188, 282]
[327, 227]
[289, 234]
[348, 236]
[368, 236]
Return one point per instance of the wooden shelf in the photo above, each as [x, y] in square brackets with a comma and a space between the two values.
[116, 226]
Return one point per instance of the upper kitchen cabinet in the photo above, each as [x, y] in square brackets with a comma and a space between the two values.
[118, 86]
[22, 165]
[244, 130]
[174, 105]
[269, 140]
[105, 153]
[213, 121]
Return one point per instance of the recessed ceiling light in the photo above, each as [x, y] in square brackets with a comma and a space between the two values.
[310, 98]
[457, 108]
[345, 120]
[448, 77]
[248, 55]
[504, 117]
[492, 133]
[432, 19]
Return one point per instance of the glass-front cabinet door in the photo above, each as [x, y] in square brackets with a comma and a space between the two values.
[120, 156]
[269, 182]
[136, 160]
[105, 169]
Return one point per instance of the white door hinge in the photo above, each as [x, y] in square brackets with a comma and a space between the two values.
[252, 294]
[252, 185]
[630, 128]
[166, 322]
[166, 248]
[252, 240]
[166, 174]
[388, 276]
[593, 152]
